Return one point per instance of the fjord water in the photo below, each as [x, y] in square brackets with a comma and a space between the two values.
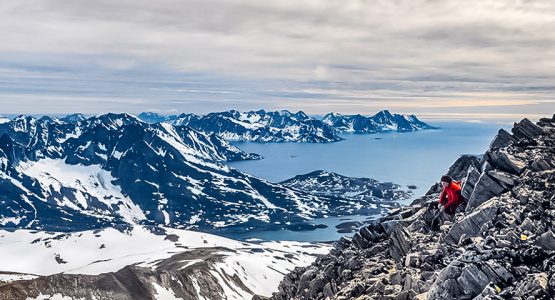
[317, 235]
[413, 158]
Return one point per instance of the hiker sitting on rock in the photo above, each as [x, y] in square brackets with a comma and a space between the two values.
[449, 199]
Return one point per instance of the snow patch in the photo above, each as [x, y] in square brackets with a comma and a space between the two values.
[163, 293]
[86, 181]
[54, 297]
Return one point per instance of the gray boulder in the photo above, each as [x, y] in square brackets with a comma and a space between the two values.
[446, 286]
[472, 280]
[503, 178]
[470, 225]
[525, 129]
[546, 240]
[485, 189]
[361, 242]
[470, 182]
[328, 290]
[504, 161]
[399, 243]
[501, 140]
[460, 167]
[316, 286]
[542, 165]
[535, 286]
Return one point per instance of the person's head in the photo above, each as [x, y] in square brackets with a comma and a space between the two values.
[446, 180]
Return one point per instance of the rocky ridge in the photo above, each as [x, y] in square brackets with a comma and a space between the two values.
[500, 246]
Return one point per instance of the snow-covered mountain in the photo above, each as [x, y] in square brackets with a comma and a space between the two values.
[382, 121]
[357, 188]
[143, 262]
[52, 137]
[259, 126]
[284, 126]
[113, 169]
[73, 118]
[152, 117]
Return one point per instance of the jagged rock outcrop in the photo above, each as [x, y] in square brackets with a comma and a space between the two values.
[501, 246]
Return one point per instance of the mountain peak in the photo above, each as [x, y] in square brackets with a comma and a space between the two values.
[300, 114]
[285, 112]
[263, 126]
[73, 118]
[24, 118]
[154, 117]
[118, 116]
[149, 114]
[260, 111]
[385, 113]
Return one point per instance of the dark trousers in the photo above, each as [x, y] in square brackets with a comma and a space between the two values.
[439, 218]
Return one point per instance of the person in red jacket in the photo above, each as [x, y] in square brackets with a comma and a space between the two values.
[449, 199]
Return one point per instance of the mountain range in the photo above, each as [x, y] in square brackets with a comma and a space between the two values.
[285, 126]
[77, 173]
[261, 126]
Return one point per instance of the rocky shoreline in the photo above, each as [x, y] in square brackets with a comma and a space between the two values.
[500, 247]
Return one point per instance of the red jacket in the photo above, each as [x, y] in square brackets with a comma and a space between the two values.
[451, 197]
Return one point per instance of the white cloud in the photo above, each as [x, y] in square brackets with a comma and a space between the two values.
[404, 54]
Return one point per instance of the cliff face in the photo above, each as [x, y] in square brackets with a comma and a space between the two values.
[500, 247]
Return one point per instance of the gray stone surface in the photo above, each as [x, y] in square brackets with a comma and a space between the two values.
[525, 129]
[399, 243]
[501, 140]
[546, 240]
[471, 224]
[486, 188]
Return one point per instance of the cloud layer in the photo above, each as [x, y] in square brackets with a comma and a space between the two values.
[428, 57]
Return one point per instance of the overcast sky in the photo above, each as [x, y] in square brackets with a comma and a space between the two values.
[472, 60]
